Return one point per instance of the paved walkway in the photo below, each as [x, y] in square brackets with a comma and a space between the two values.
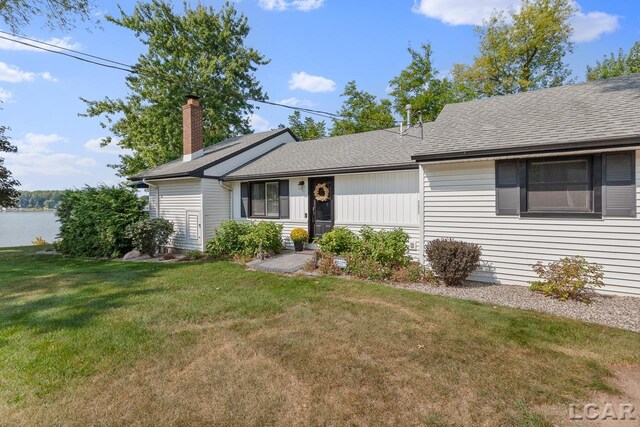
[288, 262]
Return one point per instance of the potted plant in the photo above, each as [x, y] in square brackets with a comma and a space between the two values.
[299, 236]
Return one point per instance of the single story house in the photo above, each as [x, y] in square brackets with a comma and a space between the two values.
[530, 177]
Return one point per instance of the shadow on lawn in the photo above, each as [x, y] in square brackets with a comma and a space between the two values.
[46, 293]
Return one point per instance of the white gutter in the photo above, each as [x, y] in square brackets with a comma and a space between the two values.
[230, 190]
[144, 180]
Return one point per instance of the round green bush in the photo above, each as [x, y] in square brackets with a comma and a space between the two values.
[150, 234]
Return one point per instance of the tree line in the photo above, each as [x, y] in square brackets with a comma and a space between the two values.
[40, 199]
[202, 50]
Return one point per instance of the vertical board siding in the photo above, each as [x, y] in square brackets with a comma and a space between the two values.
[383, 200]
[176, 198]
[216, 206]
[459, 202]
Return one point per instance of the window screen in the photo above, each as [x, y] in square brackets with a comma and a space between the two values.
[258, 199]
[559, 185]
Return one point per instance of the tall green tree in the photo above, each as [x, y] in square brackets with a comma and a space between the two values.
[201, 52]
[521, 52]
[308, 128]
[612, 66]
[418, 85]
[8, 193]
[361, 112]
[62, 14]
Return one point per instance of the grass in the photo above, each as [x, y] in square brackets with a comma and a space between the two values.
[97, 342]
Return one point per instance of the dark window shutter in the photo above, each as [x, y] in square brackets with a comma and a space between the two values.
[284, 199]
[507, 188]
[244, 195]
[619, 184]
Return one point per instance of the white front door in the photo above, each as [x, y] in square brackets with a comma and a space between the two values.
[193, 227]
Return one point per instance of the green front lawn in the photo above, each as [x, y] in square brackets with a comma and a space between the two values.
[85, 341]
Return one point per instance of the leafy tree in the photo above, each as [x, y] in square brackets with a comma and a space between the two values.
[522, 52]
[58, 13]
[418, 86]
[8, 193]
[362, 112]
[308, 128]
[201, 52]
[623, 65]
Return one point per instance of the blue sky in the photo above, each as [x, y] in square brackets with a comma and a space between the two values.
[315, 47]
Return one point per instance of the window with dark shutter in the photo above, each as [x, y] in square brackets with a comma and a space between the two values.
[244, 195]
[619, 184]
[284, 199]
[507, 188]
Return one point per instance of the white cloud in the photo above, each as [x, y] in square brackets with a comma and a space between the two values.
[35, 156]
[13, 74]
[311, 83]
[587, 26]
[303, 5]
[93, 145]
[295, 102]
[461, 12]
[590, 26]
[38, 143]
[5, 95]
[259, 123]
[58, 43]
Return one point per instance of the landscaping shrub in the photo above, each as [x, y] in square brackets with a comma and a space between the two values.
[265, 236]
[452, 260]
[193, 255]
[150, 234]
[569, 278]
[364, 267]
[245, 239]
[93, 220]
[227, 239]
[387, 247]
[414, 272]
[339, 241]
[326, 264]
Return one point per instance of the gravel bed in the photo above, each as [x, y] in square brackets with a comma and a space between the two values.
[617, 311]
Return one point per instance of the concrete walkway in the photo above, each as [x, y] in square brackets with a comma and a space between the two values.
[288, 262]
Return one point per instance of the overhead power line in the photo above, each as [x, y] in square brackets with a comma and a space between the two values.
[109, 63]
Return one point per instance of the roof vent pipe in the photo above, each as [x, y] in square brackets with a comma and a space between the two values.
[408, 107]
[421, 127]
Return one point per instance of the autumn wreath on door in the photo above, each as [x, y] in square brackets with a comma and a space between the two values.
[321, 192]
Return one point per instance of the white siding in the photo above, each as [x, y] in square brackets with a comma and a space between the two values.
[217, 206]
[459, 202]
[247, 156]
[177, 198]
[382, 200]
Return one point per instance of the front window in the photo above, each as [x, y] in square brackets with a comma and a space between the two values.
[560, 185]
[265, 199]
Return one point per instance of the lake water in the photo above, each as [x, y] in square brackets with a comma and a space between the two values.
[21, 228]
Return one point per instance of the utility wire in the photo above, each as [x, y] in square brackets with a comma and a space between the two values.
[133, 70]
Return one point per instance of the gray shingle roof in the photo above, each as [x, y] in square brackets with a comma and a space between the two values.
[376, 150]
[580, 114]
[212, 155]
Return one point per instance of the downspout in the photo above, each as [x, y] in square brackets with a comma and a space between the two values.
[230, 190]
[144, 180]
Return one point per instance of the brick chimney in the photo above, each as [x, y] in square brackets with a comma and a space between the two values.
[192, 129]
